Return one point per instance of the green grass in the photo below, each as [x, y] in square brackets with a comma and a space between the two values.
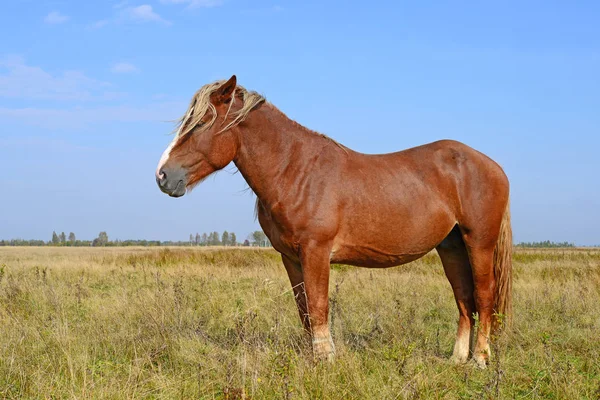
[221, 323]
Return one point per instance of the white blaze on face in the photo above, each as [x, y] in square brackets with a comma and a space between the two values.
[167, 152]
[164, 158]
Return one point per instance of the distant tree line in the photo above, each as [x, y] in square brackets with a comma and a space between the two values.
[71, 241]
[257, 238]
[214, 239]
[545, 244]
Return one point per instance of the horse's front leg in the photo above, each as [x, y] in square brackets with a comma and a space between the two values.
[315, 268]
[294, 271]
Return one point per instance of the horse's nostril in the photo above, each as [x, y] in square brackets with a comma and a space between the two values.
[161, 178]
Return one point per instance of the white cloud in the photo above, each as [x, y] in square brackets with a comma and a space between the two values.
[19, 80]
[143, 13]
[139, 14]
[124, 68]
[55, 18]
[195, 3]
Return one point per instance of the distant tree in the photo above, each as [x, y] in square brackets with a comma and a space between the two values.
[197, 239]
[103, 236]
[246, 243]
[204, 239]
[214, 239]
[232, 239]
[260, 239]
[72, 239]
[191, 238]
[63, 238]
[55, 239]
[225, 238]
[101, 240]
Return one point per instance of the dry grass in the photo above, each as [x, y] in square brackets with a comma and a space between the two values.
[221, 323]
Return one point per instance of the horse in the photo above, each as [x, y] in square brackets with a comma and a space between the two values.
[319, 202]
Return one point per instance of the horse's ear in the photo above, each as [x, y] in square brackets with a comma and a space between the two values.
[225, 92]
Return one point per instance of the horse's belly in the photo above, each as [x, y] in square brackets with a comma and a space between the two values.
[390, 242]
[371, 257]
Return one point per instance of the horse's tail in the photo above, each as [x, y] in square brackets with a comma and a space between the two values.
[503, 274]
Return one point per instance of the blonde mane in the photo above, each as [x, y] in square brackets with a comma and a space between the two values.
[200, 105]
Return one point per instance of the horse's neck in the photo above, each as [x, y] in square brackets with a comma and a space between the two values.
[271, 148]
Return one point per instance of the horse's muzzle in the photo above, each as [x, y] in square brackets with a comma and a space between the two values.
[172, 181]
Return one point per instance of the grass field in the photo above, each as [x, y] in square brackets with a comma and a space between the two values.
[222, 323]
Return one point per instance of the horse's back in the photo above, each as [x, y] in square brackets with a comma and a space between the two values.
[448, 167]
[398, 206]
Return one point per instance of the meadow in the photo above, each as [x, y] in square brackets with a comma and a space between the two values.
[216, 323]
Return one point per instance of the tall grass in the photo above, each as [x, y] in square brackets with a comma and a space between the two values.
[221, 323]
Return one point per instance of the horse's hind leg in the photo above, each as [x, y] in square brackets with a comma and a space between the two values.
[481, 259]
[480, 241]
[455, 259]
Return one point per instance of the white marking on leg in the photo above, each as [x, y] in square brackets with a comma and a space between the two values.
[463, 345]
[482, 352]
[322, 342]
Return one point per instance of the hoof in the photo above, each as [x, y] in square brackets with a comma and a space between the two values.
[480, 362]
[328, 357]
[458, 360]
[323, 349]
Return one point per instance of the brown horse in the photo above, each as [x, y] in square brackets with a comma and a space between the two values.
[320, 203]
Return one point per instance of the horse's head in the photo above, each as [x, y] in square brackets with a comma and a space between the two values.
[206, 139]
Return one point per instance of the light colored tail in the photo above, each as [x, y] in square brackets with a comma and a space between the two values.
[503, 275]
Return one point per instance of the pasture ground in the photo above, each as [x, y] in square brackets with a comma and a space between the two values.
[221, 323]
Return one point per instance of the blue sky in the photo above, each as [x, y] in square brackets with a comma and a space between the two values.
[87, 90]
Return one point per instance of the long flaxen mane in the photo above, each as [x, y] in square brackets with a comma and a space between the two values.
[200, 105]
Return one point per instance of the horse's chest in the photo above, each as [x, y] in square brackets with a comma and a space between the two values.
[281, 235]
